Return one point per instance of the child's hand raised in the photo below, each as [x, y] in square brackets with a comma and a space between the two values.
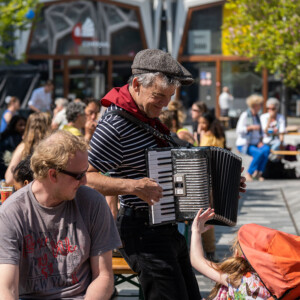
[200, 220]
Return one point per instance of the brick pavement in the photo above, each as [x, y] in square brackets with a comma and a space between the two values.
[271, 203]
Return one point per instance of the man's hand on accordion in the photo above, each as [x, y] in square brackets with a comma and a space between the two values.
[148, 190]
[242, 183]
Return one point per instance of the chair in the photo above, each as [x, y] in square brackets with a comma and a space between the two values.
[121, 268]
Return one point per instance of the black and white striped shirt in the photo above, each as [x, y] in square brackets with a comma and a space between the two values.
[118, 147]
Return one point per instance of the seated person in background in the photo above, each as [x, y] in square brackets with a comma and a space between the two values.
[59, 118]
[57, 235]
[169, 119]
[76, 119]
[211, 131]
[198, 108]
[273, 125]
[235, 278]
[10, 138]
[13, 105]
[92, 111]
[249, 138]
[37, 127]
[22, 173]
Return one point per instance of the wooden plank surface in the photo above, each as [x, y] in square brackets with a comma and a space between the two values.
[285, 152]
[120, 266]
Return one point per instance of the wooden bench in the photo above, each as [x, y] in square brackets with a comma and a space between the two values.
[285, 152]
[121, 268]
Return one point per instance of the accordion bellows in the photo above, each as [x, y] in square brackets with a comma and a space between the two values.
[195, 178]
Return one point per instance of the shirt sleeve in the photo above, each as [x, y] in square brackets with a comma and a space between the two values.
[103, 232]
[106, 152]
[33, 98]
[281, 121]
[241, 127]
[9, 240]
[264, 121]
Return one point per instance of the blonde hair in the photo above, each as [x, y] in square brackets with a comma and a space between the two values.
[235, 266]
[55, 151]
[254, 100]
[37, 127]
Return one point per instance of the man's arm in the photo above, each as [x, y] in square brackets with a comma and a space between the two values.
[34, 108]
[9, 283]
[146, 188]
[102, 283]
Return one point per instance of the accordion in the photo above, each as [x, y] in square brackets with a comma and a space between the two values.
[195, 178]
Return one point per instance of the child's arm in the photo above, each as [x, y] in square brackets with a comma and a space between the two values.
[198, 260]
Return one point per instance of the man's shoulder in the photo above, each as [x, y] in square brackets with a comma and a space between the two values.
[118, 122]
[94, 197]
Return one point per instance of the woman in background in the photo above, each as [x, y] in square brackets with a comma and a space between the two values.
[249, 138]
[198, 108]
[211, 131]
[37, 127]
[273, 126]
[13, 105]
[10, 138]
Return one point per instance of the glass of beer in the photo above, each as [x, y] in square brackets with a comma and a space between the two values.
[6, 191]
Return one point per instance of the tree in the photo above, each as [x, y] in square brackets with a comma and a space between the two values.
[16, 16]
[267, 32]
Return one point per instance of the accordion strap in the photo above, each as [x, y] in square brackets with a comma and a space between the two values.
[145, 126]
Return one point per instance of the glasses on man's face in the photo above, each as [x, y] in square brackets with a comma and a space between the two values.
[76, 176]
[271, 108]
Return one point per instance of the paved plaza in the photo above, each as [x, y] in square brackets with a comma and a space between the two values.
[271, 203]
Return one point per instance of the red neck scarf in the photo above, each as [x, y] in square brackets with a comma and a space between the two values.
[122, 98]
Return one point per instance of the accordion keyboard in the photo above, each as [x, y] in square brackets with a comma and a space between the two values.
[161, 172]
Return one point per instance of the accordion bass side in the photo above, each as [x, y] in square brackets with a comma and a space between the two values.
[195, 178]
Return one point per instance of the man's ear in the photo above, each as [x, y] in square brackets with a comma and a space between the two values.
[135, 85]
[25, 182]
[52, 174]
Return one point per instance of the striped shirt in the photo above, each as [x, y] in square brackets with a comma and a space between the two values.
[118, 147]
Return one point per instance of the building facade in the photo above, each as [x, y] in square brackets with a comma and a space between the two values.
[87, 47]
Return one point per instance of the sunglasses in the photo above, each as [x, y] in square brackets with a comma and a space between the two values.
[271, 108]
[76, 176]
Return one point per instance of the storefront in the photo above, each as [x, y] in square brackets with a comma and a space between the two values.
[203, 53]
[87, 47]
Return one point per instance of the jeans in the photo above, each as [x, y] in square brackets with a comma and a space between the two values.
[160, 256]
[260, 157]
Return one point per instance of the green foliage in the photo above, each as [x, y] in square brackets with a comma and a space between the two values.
[268, 32]
[13, 19]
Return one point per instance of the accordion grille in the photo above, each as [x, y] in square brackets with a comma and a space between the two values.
[197, 183]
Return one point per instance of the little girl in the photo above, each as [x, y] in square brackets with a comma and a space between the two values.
[211, 131]
[235, 278]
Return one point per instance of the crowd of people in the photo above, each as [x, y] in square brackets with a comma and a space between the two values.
[57, 230]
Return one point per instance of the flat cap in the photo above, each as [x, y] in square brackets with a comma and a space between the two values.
[155, 60]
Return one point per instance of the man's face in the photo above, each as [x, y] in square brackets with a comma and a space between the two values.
[91, 111]
[151, 100]
[49, 88]
[68, 185]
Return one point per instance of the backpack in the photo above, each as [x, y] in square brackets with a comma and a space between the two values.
[275, 257]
